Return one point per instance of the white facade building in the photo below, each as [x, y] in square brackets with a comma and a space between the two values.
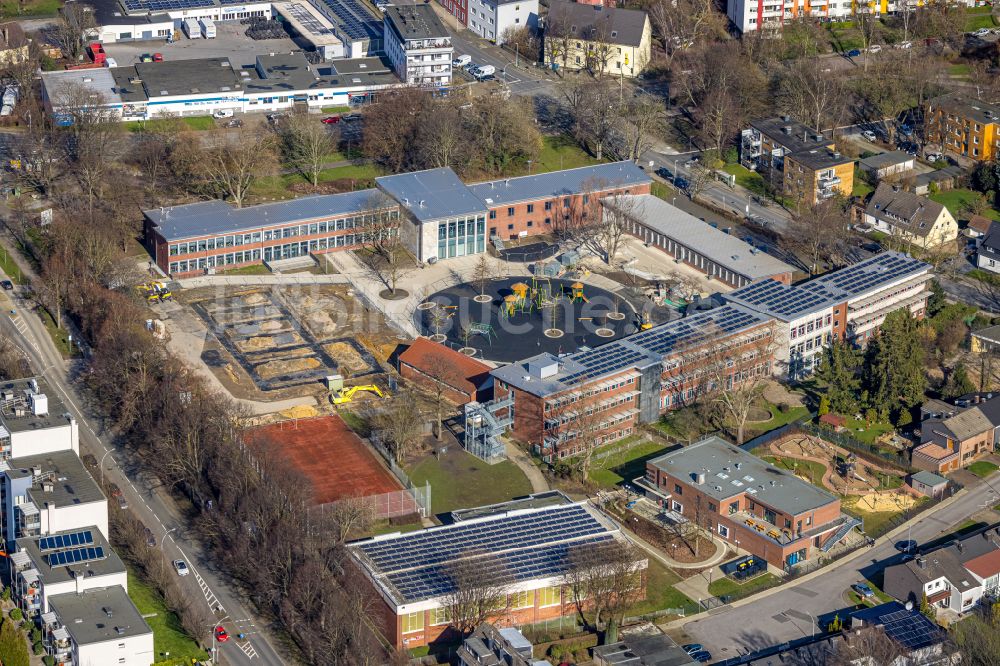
[33, 420]
[417, 45]
[98, 627]
[490, 19]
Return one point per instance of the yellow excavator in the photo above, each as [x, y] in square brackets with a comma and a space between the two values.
[345, 395]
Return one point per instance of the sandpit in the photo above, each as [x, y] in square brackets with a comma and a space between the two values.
[254, 298]
[349, 361]
[300, 412]
[271, 326]
[321, 324]
[262, 342]
[273, 369]
[883, 502]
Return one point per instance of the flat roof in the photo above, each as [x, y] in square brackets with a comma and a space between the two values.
[415, 22]
[723, 249]
[172, 78]
[71, 482]
[99, 615]
[290, 71]
[533, 501]
[207, 218]
[595, 178]
[62, 87]
[48, 555]
[308, 22]
[15, 406]
[531, 544]
[887, 159]
[644, 650]
[639, 350]
[966, 107]
[730, 471]
[928, 478]
[790, 134]
[787, 303]
[909, 627]
[433, 194]
[820, 157]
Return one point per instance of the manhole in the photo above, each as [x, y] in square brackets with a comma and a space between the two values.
[605, 332]
[553, 333]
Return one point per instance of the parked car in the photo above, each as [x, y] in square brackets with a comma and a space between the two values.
[693, 647]
[223, 113]
[702, 657]
[906, 546]
[221, 634]
[664, 173]
[462, 60]
[146, 57]
[854, 53]
[331, 120]
[933, 157]
[869, 135]
[7, 285]
[150, 537]
[122, 502]
[904, 45]
[157, 57]
[115, 491]
[351, 117]
[875, 48]
[864, 590]
[181, 567]
[982, 32]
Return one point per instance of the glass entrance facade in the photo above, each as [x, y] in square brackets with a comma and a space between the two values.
[460, 237]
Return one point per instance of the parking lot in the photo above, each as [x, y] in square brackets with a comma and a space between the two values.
[230, 42]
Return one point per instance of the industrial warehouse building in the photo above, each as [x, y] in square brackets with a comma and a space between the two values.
[527, 547]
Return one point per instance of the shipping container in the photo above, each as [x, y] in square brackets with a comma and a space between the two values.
[192, 29]
[207, 28]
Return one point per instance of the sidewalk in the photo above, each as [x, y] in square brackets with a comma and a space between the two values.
[526, 465]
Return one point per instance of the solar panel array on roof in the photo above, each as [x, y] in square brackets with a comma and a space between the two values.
[306, 19]
[65, 557]
[66, 540]
[524, 546]
[603, 360]
[910, 629]
[354, 19]
[164, 5]
[664, 339]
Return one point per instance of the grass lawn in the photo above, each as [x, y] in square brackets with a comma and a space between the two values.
[277, 187]
[460, 480]
[660, 591]
[561, 152]
[624, 466]
[168, 636]
[336, 109]
[982, 468]
[954, 200]
[959, 70]
[13, 9]
[724, 587]
[867, 435]
[880, 596]
[199, 123]
[256, 269]
[664, 191]
[844, 36]
[976, 20]
[861, 188]
[811, 470]
[751, 180]
[779, 418]
[60, 336]
[10, 268]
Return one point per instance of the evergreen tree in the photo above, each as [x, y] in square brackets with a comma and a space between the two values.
[959, 383]
[13, 647]
[839, 371]
[937, 299]
[894, 365]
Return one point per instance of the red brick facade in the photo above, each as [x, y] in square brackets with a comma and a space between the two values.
[432, 365]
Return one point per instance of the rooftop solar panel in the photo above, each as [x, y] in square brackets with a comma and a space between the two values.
[66, 540]
[912, 630]
[66, 557]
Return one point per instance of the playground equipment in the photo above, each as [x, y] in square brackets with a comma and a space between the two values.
[154, 292]
[484, 426]
[577, 293]
[644, 323]
[344, 396]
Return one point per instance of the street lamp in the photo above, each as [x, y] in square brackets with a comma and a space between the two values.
[165, 535]
[101, 463]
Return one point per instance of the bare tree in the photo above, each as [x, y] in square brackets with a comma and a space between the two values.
[600, 47]
[868, 25]
[71, 28]
[643, 117]
[232, 166]
[397, 423]
[443, 375]
[480, 585]
[870, 646]
[611, 224]
[13, 361]
[818, 232]
[482, 273]
[681, 24]
[599, 117]
[556, 41]
[604, 580]
[342, 519]
[809, 93]
[307, 144]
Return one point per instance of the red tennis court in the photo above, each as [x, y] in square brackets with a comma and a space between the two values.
[336, 461]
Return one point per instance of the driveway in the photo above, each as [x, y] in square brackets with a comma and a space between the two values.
[797, 610]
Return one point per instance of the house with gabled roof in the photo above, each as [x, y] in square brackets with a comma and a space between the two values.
[910, 217]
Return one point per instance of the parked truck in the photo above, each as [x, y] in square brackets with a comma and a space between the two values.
[207, 28]
[97, 53]
[192, 29]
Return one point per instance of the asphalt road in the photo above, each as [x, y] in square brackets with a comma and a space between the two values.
[146, 497]
[800, 609]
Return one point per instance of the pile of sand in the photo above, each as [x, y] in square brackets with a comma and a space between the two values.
[273, 369]
[349, 361]
[884, 501]
[321, 324]
[300, 412]
[271, 326]
[254, 299]
[262, 342]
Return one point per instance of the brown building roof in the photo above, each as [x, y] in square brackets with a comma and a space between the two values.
[446, 365]
[986, 565]
[980, 224]
[908, 211]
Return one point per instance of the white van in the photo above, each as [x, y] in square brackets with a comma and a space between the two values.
[461, 61]
[223, 113]
[484, 72]
[110, 62]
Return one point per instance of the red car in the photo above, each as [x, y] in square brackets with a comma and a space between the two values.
[221, 634]
[157, 57]
[331, 120]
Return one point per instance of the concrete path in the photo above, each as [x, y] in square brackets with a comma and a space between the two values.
[528, 466]
[283, 279]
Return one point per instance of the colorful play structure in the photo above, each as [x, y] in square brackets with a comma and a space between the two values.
[539, 295]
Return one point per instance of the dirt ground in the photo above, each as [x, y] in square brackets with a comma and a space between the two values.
[865, 478]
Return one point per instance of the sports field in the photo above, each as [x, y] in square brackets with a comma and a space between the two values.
[336, 461]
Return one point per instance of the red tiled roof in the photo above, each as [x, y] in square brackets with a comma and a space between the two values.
[935, 451]
[980, 223]
[464, 373]
[986, 565]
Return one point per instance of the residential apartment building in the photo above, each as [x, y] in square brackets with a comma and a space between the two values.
[598, 38]
[65, 562]
[953, 578]
[34, 420]
[988, 250]
[562, 405]
[527, 547]
[457, 8]
[952, 437]
[209, 236]
[418, 45]
[963, 126]
[847, 304]
[796, 160]
[761, 15]
[694, 242]
[49, 493]
[910, 218]
[493, 19]
[98, 626]
[769, 512]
